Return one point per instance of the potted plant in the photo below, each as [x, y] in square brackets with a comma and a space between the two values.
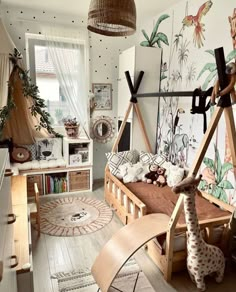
[71, 127]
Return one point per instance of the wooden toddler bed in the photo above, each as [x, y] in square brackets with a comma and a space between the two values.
[134, 200]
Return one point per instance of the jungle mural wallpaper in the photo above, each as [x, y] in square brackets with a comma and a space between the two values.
[188, 33]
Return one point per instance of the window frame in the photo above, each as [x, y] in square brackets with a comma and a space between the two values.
[33, 40]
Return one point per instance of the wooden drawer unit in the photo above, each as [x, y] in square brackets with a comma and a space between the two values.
[31, 179]
[79, 180]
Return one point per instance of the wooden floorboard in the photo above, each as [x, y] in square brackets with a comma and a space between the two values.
[62, 254]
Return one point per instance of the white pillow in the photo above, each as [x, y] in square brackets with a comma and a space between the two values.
[49, 148]
[149, 158]
[35, 164]
[175, 175]
[123, 169]
[133, 172]
[24, 166]
[119, 158]
[43, 164]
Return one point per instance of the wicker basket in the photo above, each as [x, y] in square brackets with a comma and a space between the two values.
[72, 131]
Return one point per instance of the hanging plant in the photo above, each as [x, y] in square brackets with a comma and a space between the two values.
[6, 110]
[29, 90]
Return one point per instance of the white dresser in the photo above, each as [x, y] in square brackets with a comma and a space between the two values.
[8, 259]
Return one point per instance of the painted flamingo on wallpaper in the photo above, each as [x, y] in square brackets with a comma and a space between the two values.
[191, 20]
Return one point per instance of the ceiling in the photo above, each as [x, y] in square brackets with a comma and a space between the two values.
[80, 7]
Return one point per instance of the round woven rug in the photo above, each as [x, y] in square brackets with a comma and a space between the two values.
[74, 216]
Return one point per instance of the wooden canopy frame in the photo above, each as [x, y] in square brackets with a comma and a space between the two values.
[134, 104]
[108, 263]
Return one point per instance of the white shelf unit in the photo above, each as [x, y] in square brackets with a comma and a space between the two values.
[73, 178]
[76, 179]
[82, 149]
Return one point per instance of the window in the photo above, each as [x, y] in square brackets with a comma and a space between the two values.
[43, 74]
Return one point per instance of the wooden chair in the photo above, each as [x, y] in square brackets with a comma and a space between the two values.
[34, 207]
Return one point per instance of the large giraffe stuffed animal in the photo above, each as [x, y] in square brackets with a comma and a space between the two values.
[203, 259]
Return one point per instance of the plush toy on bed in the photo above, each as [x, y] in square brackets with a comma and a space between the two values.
[132, 172]
[152, 175]
[161, 180]
[174, 174]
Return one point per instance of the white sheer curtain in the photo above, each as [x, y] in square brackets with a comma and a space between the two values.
[68, 55]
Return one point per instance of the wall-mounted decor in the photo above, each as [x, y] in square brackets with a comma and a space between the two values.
[102, 95]
[102, 129]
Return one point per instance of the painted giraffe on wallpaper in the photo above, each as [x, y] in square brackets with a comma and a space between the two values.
[195, 20]
[203, 259]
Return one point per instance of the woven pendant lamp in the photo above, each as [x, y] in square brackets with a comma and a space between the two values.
[112, 17]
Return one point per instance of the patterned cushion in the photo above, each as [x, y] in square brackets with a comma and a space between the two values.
[149, 158]
[49, 148]
[32, 149]
[117, 159]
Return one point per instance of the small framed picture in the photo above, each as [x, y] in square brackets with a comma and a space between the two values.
[76, 159]
[102, 96]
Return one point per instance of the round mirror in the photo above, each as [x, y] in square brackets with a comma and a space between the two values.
[102, 129]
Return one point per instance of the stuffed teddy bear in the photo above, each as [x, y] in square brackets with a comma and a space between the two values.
[161, 180]
[152, 175]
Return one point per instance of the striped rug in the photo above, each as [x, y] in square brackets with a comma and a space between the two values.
[130, 279]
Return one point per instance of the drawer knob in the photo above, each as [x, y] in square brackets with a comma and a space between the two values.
[1, 270]
[14, 257]
[13, 218]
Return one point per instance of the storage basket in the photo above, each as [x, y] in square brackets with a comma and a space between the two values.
[79, 180]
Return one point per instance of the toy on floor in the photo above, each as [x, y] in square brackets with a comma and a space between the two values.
[203, 259]
[231, 74]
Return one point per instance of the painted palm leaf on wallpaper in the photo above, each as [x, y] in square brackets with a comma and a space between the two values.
[210, 68]
[214, 177]
[156, 37]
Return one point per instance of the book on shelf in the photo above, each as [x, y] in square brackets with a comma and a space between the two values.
[55, 185]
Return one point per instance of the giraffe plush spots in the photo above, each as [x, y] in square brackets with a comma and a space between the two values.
[203, 259]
